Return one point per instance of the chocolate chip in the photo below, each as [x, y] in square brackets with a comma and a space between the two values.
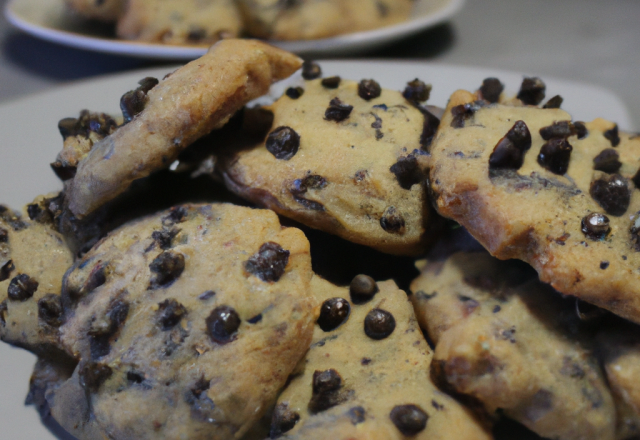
[255, 319]
[50, 309]
[311, 70]
[283, 142]
[333, 82]
[4, 235]
[607, 161]
[409, 419]
[134, 101]
[196, 34]
[206, 295]
[169, 313]
[327, 391]
[269, 262]
[408, 171]
[554, 155]
[636, 179]
[98, 123]
[612, 194]
[177, 214]
[326, 381]
[135, 377]
[604, 265]
[22, 287]
[362, 289]
[202, 407]
[392, 221]
[165, 269]
[581, 129]
[300, 187]
[532, 91]
[114, 318]
[613, 136]
[379, 324]
[283, 420]
[92, 375]
[223, 324]
[634, 231]
[554, 102]
[463, 112]
[491, 89]
[294, 92]
[369, 89]
[496, 309]
[595, 226]
[356, 414]
[33, 211]
[6, 269]
[333, 313]
[165, 237]
[510, 150]
[4, 310]
[417, 91]
[337, 111]
[365, 361]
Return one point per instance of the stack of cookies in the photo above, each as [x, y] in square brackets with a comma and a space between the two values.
[331, 265]
[203, 22]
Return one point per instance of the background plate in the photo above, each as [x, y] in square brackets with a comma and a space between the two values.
[50, 20]
[30, 141]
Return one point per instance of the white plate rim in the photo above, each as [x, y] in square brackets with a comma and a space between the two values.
[348, 43]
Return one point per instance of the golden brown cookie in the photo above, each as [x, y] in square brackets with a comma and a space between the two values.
[166, 118]
[312, 19]
[33, 260]
[185, 325]
[346, 158]
[179, 21]
[529, 183]
[366, 375]
[512, 343]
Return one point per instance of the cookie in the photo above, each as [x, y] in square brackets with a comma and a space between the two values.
[179, 22]
[312, 19]
[366, 375]
[529, 183]
[346, 158]
[165, 118]
[185, 325]
[512, 343]
[103, 10]
[33, 260]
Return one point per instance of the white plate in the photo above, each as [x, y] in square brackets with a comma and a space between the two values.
[50, 20]
[30, 141]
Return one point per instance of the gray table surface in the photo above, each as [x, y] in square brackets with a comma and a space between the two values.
[584, 40]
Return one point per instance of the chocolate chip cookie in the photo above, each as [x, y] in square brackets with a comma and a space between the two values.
[344, 157]
[366, 375]
[167, 117]
[312, 19]
[185, 324]
[183, 22]
[33, 260]
[532, 184]
[512, 343]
